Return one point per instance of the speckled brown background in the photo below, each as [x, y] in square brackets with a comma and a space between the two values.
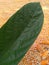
[8, 8]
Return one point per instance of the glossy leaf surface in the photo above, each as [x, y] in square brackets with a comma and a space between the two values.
[19, 33]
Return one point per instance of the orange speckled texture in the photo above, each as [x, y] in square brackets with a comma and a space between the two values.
[38, 54]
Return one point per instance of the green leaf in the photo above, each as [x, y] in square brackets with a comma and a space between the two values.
[19, 33]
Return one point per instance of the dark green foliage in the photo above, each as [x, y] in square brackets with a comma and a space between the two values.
[19, 33]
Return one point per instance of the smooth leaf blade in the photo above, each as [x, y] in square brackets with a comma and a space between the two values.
[19, 33]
